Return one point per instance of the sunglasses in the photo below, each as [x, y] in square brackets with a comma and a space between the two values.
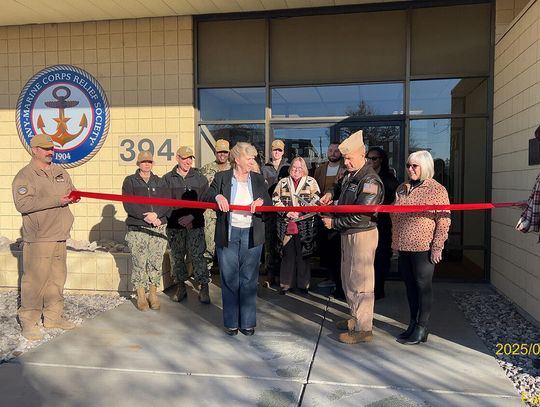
[415, 166]
[372, 158]
[277, 149]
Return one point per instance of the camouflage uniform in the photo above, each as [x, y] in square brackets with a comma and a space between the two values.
[147, 246]
[209, 171]
[147, 243]
[184, 241]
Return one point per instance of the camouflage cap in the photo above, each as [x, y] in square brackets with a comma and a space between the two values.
[185, 152]
[353, 143]
[144, 156]
[222, 145]
[278, 145]
[41, 140]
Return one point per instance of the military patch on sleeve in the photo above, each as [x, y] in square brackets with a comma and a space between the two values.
[22, 190]
[369, 188]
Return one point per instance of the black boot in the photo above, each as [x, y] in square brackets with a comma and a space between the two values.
[409, 331]
[419, 334]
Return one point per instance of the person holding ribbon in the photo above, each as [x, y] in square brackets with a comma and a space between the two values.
[419, 238]
[296, 233]
[360, 186]
[530, 218]
[239, 237]
[146, 236]
[42, 194]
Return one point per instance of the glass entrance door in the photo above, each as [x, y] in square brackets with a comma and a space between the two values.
[386, 135]
[311, 141]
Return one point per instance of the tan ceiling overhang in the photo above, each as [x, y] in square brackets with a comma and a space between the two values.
[21, 12]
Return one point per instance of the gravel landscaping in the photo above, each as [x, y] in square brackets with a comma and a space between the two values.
[497, 321]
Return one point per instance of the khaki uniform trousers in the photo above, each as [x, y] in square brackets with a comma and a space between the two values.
[42, 282]
[358, 275]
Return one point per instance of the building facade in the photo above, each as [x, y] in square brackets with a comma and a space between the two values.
[456, 78]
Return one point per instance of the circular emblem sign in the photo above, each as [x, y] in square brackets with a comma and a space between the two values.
[70, 106]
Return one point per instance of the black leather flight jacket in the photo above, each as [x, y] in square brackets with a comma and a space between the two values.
[350, 191]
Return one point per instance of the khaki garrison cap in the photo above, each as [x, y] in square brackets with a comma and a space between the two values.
[185, 152]
[222, 145]
[352, 143]
[41, 140]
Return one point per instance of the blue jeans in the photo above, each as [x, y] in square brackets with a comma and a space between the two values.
[239, 271]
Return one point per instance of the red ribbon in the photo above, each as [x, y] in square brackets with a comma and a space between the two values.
[75, 195]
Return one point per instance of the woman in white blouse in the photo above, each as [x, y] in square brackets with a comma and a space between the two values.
[239, 236]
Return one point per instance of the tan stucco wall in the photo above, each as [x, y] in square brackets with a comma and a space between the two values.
[145, 67]
[515, 258]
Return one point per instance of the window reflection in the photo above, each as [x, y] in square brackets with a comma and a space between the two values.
[232, 104]
[387, 137]
[251, 133]
[449, 96]
[342, 100]
[310, 143]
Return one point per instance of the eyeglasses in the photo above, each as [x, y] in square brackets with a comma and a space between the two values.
[415, 166]
[277, 149]
[372, 158]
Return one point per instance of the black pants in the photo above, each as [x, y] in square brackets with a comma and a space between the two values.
[417, 272]
[271, 256]
[329, 244]
[382, 262]
[295, 270]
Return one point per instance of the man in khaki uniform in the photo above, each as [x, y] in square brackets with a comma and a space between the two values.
[360, 186]
[221, 163]
[40, 192]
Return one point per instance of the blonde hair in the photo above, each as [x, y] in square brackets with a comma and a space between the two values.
[241, 149]
[425, 161]
[302, 162]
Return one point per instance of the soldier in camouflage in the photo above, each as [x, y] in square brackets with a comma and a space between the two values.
[185, 226]
[221, 163]
[146, 231]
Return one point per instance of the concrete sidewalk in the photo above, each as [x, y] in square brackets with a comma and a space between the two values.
[180, 356]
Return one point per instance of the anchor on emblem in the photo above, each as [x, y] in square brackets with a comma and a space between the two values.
[62, 135]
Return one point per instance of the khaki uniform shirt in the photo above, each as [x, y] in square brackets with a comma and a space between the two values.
[37, 194]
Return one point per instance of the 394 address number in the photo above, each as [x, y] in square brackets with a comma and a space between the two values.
[160, 147]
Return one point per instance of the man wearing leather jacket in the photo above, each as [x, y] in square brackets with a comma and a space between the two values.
[360, 186]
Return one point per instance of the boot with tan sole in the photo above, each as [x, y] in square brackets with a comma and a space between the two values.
[153, 298]
[60, 323]
[345, 324]
[32, 332]
[142, 302]
[204, 295]
[353, 337]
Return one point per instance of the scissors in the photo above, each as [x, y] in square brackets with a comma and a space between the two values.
[316, 201]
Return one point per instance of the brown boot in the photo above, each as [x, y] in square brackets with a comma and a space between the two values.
[180, 293]
[204, 295]
[61, 323]
[345, 324]
[153, 298]
[142, 303]
[32, 332]
[353, 337]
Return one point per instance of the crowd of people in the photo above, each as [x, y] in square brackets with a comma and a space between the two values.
[363, 241]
